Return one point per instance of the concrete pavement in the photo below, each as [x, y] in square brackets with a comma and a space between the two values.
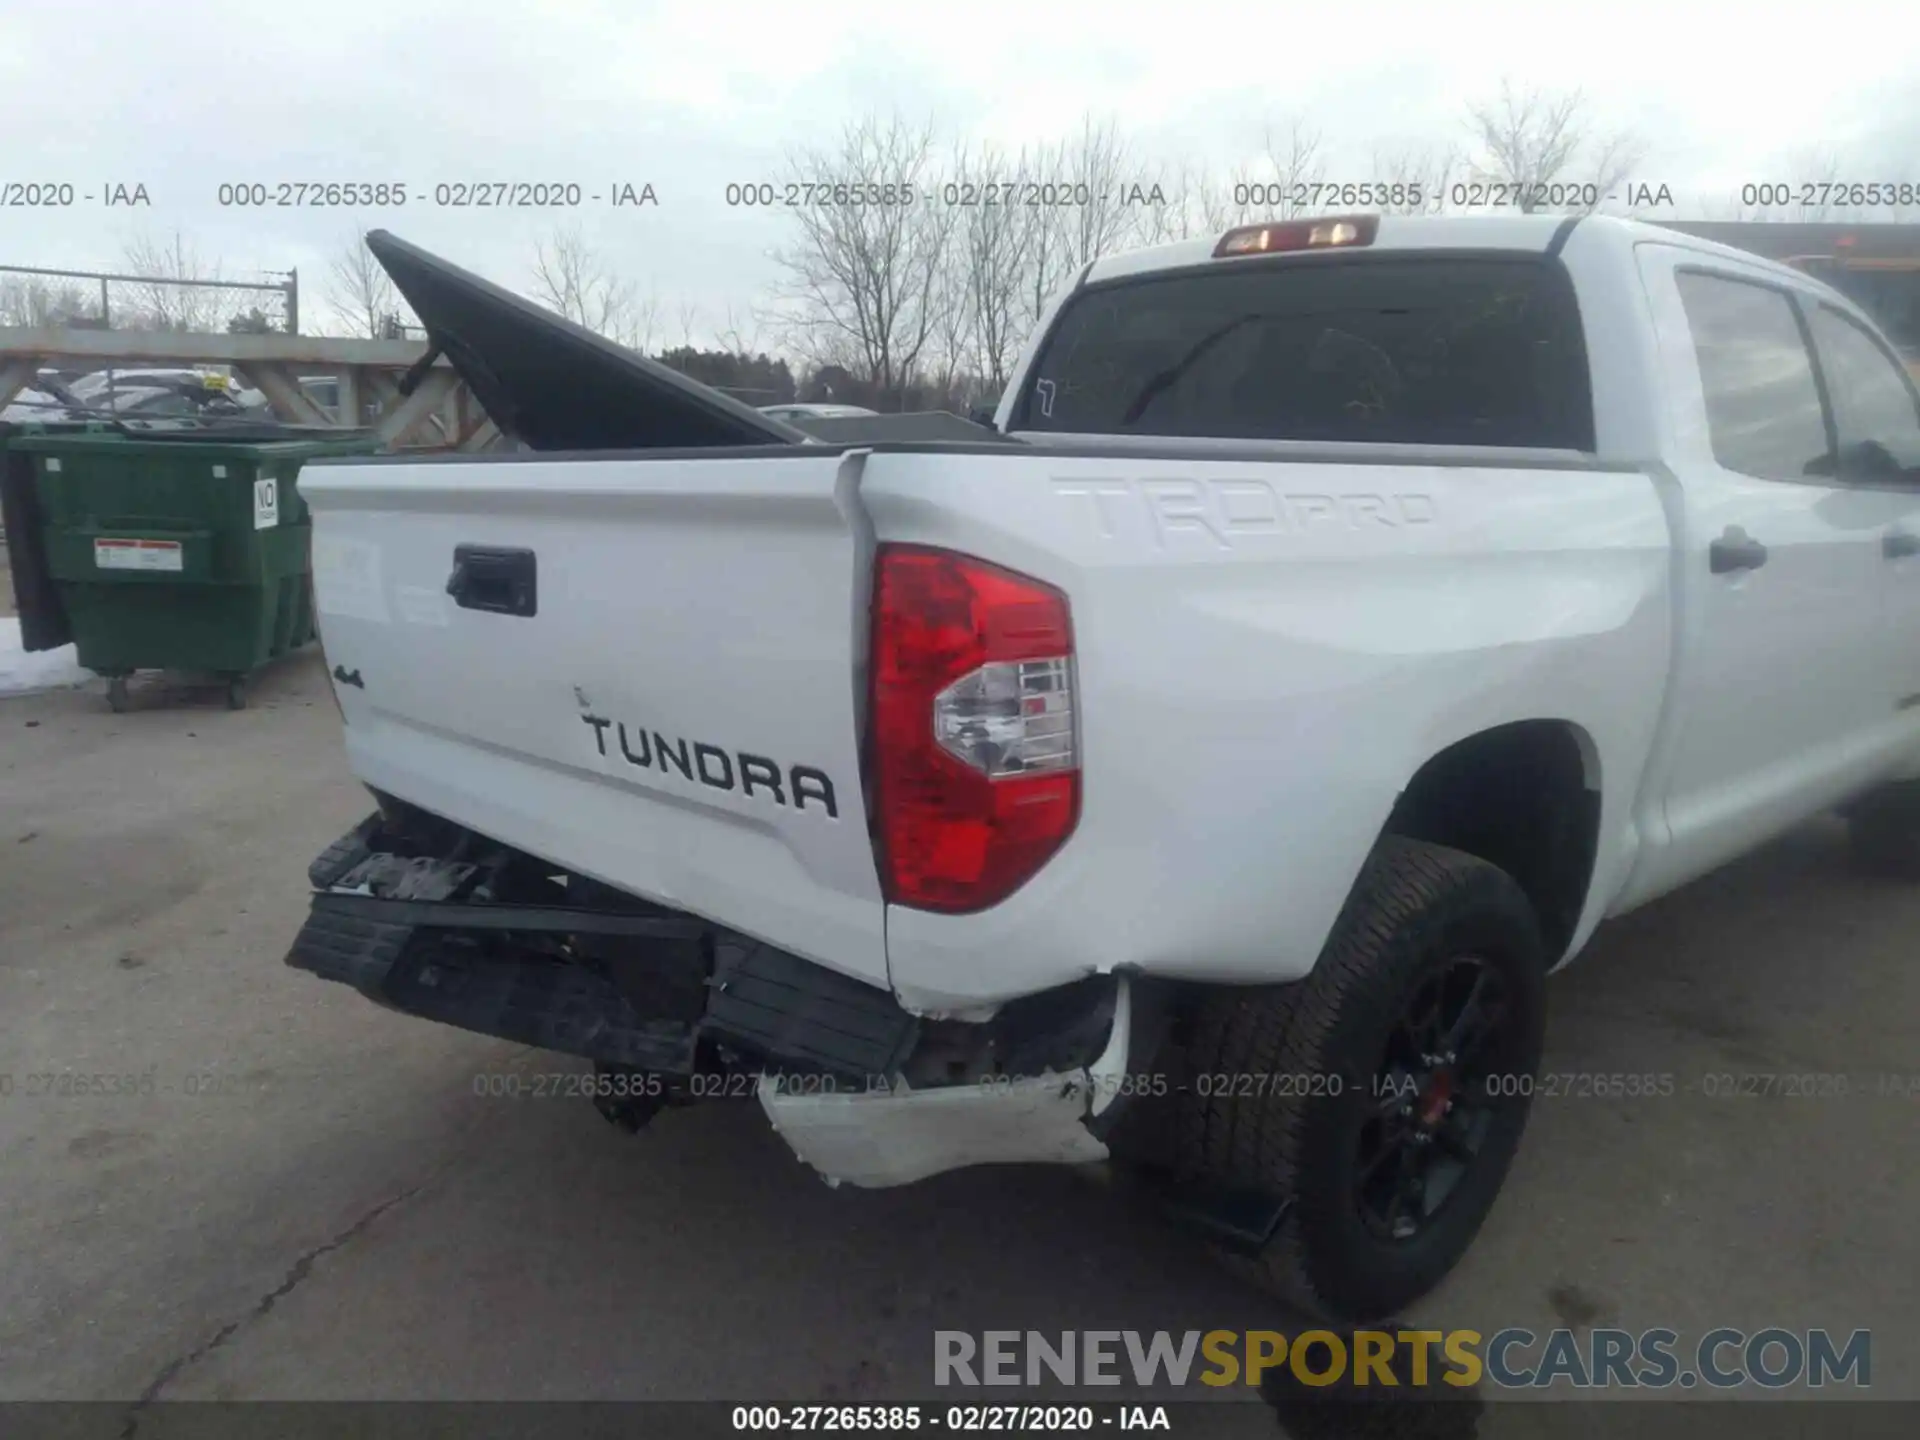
[313, 1202]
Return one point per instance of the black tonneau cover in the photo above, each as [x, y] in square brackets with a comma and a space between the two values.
[555, 385]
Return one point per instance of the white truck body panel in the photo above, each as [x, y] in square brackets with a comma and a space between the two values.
[714, 602]
[1780, 702]
[1252, 637]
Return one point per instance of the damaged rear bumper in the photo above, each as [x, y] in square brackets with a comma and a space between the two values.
[902, 1135]
[864, 1091]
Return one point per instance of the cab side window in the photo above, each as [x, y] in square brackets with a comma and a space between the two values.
[1763, 404]
[1873, 403]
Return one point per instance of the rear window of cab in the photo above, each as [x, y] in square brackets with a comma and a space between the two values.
[1426, 349]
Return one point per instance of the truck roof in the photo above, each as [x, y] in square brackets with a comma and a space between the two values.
[1522, 234]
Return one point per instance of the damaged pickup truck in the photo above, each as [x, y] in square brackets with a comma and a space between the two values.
[1201, 769]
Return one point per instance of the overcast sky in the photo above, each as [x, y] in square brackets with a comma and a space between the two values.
[689, 96]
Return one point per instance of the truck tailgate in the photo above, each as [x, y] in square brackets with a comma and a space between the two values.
[646, 670]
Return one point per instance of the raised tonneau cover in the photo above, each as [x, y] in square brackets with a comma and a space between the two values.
[555, 385]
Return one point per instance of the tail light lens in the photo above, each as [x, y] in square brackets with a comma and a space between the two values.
[975, 757]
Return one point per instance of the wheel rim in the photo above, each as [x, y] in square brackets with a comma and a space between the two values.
[1430, 1108]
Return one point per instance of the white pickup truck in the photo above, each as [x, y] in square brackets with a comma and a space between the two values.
[1202, 769]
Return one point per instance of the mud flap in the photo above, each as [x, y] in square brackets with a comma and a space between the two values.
[1241, 1221]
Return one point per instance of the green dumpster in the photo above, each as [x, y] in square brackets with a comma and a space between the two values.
[178, 549]
[43, 624]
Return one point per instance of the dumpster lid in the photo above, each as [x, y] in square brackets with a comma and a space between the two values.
[222, 431]
[214, 442]
[556, 385]
[24, 429]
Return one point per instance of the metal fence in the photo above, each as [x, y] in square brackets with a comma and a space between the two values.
[36, 297]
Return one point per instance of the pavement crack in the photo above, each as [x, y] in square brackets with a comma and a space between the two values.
[296, 1275]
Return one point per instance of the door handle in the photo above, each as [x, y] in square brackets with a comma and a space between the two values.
[1735, 550]
[503, 581]
[1898, 544]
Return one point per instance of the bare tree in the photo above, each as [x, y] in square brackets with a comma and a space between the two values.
[572, 277]
[1080, 197]
[740, 336]
[985, 317]
[34, 302]
[1178, 218]
[1211, 202]
[955, 313]
[1227, 201]
[360, 292]
[1295, 168]
[1531, 140]
[1417, 180]
[158, 305]
[687, 316]
[1280, 183]
[1099, 166]
[1816, 174]
[644, 324]
[859, 282]
[1611, 164]
[1813, 194]
[1047, 262]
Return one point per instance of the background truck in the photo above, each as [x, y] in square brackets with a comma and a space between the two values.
[1888, 289]
[1201, 769]
[1875, 265]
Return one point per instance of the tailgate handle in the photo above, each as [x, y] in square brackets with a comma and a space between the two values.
[494, 578]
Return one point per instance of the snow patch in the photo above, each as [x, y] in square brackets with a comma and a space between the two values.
[22, 673]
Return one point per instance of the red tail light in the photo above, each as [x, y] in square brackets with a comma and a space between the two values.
[975, 755]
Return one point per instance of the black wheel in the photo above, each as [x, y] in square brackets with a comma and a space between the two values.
[117, 694]
[237, 693]
[1387, 1092]
[1883, 832]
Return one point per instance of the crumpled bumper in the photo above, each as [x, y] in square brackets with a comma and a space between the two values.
[865, 1092]
[881, 1137]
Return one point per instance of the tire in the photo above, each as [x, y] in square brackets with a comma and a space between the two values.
[237, 693]
[1423, 921]
[117, 694]
[1883, 833]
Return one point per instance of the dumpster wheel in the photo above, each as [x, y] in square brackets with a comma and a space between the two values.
[117, 694]
[237, 692]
